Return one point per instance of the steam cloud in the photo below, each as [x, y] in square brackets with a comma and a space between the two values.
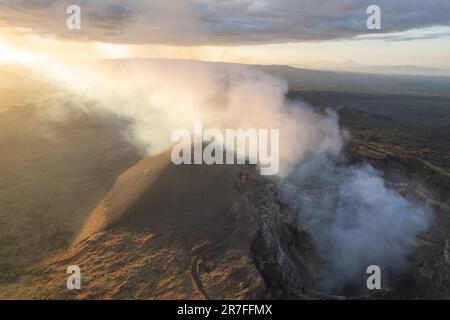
[159, 96]
[353, 218]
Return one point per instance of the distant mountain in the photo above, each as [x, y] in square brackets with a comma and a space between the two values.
[353, 66]
[309, 79]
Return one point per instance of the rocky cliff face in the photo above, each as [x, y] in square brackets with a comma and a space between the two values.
[282, 250]
[290, 264]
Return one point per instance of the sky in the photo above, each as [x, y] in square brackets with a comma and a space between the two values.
[292, 32]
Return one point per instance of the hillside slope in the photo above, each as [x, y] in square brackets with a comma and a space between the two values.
[163, 231]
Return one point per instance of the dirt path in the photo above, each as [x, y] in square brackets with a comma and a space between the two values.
[195, 265]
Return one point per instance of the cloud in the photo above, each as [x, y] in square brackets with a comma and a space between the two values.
[412, 34]
[228, 22]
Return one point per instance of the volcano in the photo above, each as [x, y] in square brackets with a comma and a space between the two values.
[200, 232]
[166, 231]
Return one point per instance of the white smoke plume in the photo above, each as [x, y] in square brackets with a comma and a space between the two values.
[159, 96]
[355, 222]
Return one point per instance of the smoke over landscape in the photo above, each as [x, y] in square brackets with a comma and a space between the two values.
[157, 97]
[354, 219]
[124, 127]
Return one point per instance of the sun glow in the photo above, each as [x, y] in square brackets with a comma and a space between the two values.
[113, 51]
[8, 54]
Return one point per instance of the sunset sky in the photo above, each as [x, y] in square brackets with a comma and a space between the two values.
[294, 32]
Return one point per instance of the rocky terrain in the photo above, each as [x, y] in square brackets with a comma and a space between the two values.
[74, 191]
[222, 232]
